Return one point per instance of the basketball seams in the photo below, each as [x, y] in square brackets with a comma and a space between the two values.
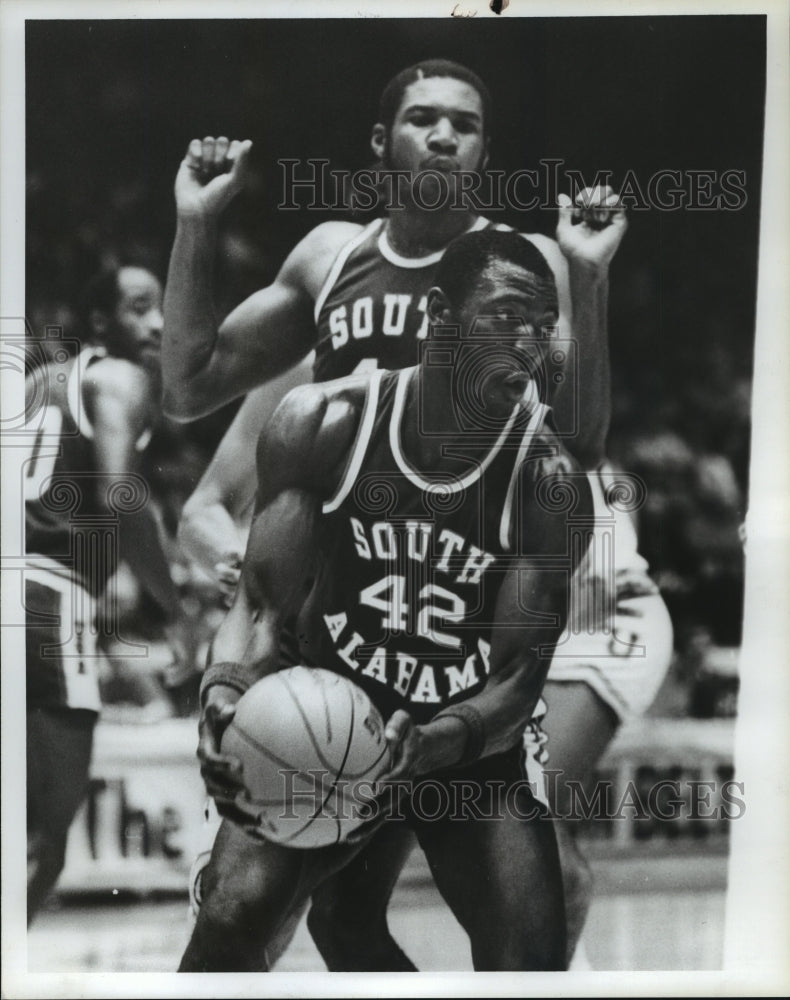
[333, 787]
[251, 741]
[308, 727]
[340, 783]
[362, 774]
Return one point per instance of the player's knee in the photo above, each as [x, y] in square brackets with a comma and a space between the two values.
[240, 899]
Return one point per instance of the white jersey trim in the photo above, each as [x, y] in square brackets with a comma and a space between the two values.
[411, 473]
[74, 388]
[340, 260]
[534, 427]
[360, 444]
[387, 252]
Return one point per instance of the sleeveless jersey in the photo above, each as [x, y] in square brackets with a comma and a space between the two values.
[414, 564]
[64, 519]
[371, 311]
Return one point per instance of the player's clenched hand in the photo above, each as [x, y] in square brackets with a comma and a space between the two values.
[222, 773]
[589, 231]
[211, 173]
[227, 573]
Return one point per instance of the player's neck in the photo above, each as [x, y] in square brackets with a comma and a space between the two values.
[434, 438]
[413, 232]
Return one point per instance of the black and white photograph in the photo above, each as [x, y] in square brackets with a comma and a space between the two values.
[396, 499]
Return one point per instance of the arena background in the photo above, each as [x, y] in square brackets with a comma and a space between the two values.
[111, 106]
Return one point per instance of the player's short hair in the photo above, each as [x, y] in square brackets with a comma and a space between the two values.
[468, 256]
[392, 95]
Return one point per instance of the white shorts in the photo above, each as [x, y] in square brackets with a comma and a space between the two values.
[624, 663]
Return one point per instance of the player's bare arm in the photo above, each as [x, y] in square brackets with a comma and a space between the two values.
[520, 650]
[589, 231]
[206, 363]
[300, 455]
[120, 403]
[214, 523]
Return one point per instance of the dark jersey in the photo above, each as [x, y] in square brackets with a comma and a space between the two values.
[405, 603]
[371, 311]
[64, 518]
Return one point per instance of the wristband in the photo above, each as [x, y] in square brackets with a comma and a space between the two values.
[234, 675]
[475, 730]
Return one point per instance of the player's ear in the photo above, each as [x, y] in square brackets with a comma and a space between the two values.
[378, 140]
[99, 322]
[486, 154]
[439, 309]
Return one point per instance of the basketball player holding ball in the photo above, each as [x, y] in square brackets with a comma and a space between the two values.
[419, 119]
[441, 595]
[431, 110]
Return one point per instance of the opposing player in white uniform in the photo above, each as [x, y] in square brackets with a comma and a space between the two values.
[85, 507]
[366, 292]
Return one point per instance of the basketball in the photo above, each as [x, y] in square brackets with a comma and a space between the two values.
[311, 744]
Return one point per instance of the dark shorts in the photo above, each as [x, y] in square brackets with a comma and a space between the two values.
[59, 743]
[491, 789]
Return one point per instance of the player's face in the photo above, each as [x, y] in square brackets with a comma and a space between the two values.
[501, 320]
[137, 321]
[438, 126]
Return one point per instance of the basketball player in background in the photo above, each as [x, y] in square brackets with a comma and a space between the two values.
[467, 426]
[85, 508]
[358, 296]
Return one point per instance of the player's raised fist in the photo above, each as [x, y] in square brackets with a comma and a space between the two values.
[589, 230]
[211, 173]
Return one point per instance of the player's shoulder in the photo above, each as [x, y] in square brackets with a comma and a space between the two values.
[322, 410]
[310, 261]
[326, 240]
[116, 374]
[548, 457]
[314, 425]
[553, 478]
[119, 381]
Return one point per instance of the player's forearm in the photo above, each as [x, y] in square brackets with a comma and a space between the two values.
[584, 401]
[279, 557]
[520, 659]
[140, 546]
[250, 636]
[190, 327]
[208, 535]
[495, 718]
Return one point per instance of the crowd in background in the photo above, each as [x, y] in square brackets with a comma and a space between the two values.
[690, 448]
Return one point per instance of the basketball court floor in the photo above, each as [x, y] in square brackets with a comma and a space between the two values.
[661, 913]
